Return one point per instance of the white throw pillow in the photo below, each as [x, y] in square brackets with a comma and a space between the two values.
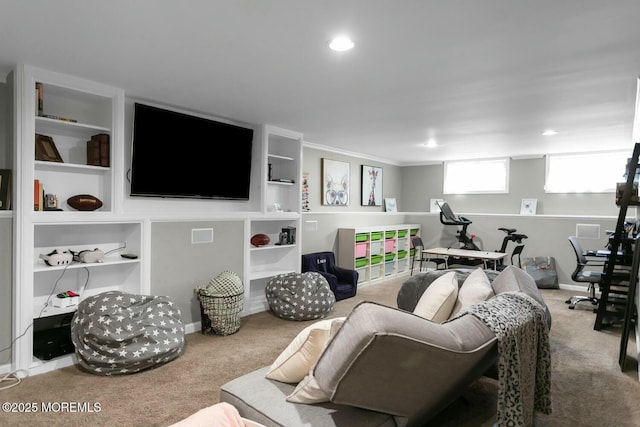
[437, 301]
[475, 289]
[295, 361]
[308, 391]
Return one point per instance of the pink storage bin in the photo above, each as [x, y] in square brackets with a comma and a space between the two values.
[361, 249]
[389, 245]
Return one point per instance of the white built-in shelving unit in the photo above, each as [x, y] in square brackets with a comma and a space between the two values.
[281, 203]
[83, 108]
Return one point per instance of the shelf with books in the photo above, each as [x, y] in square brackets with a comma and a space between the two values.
[69, 112]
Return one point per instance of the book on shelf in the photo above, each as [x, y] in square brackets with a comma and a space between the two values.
[38, 195]
[104, 148]
[63, 119]
[5, 189]
[93, 152]
[39, 99]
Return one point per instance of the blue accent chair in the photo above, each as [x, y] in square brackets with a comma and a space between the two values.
[342, 281]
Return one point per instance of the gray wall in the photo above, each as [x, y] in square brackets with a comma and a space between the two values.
[422, 183]
[178, 266]
[5, 150]
[414, 186]
[312, 164]
[6, 259]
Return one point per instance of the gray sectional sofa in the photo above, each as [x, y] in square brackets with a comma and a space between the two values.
[385, 366]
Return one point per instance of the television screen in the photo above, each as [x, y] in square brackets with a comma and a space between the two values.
[181, 155]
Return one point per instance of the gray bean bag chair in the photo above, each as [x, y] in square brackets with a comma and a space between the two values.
[300, 296]
[116, 333]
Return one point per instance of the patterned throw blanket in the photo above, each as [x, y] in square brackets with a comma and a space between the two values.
[524, 356]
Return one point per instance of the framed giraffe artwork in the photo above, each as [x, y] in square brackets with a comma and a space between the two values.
[371, 186]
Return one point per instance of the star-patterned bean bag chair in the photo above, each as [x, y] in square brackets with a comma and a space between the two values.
[118, 333]
[300, 296]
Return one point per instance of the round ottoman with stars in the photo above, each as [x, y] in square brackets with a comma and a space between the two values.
[300, 296]
[118, 333]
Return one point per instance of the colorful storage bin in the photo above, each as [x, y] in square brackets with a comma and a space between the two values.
[389, 245]
[376, 259]
[414, 232]
[362, 237]
[376, 235]
[361, 262]
[362, 249]
[388, 268]
[402, 254]
[402, 233]
[362, 275]
[389, 257]
[376, 247]
[389, 234]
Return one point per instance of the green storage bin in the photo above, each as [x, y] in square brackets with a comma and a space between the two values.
[376, 259]
[362, 237]
[376, 235]
[389, 257]
[389, 234]
[414, 231]
[361, 262]
[402, 254]
[412, 252]
[402, 233]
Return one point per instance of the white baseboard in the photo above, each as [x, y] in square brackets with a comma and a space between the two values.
[5, 369]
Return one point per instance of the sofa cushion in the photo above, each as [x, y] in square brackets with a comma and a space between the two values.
[413, 288]
[437, 302]
[475, 289]
[516, 279]
[308, 391]
[295, 361]
[432, 363]
[264, 401]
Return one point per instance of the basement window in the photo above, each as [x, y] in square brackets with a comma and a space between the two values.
[476, 176]
[585, 172]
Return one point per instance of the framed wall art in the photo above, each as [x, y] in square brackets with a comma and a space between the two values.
[528, 206]
[390, 204]
[46, 149]
[371, 186]
[335, 182]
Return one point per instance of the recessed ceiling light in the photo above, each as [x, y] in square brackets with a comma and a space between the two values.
[431, 143]
[549, 132]
[341, 44]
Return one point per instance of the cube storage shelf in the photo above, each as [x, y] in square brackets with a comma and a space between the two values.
[376, 252]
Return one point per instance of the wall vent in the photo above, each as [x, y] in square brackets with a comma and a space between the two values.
[201, 235]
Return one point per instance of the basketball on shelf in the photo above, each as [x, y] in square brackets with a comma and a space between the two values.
[260, 240]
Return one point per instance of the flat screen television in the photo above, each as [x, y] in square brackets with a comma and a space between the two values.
[181, 155]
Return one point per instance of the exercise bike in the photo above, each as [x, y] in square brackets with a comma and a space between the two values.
[447, 217]
[511, 236]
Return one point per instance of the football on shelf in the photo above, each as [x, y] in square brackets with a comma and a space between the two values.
[260, 240]
[84, 202]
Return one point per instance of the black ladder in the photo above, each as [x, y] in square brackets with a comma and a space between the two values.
[619, 236]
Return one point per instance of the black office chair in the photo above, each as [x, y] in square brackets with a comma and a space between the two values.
[583, 275]
[418, 256]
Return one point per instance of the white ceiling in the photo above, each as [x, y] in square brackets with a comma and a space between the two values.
[483, 77]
